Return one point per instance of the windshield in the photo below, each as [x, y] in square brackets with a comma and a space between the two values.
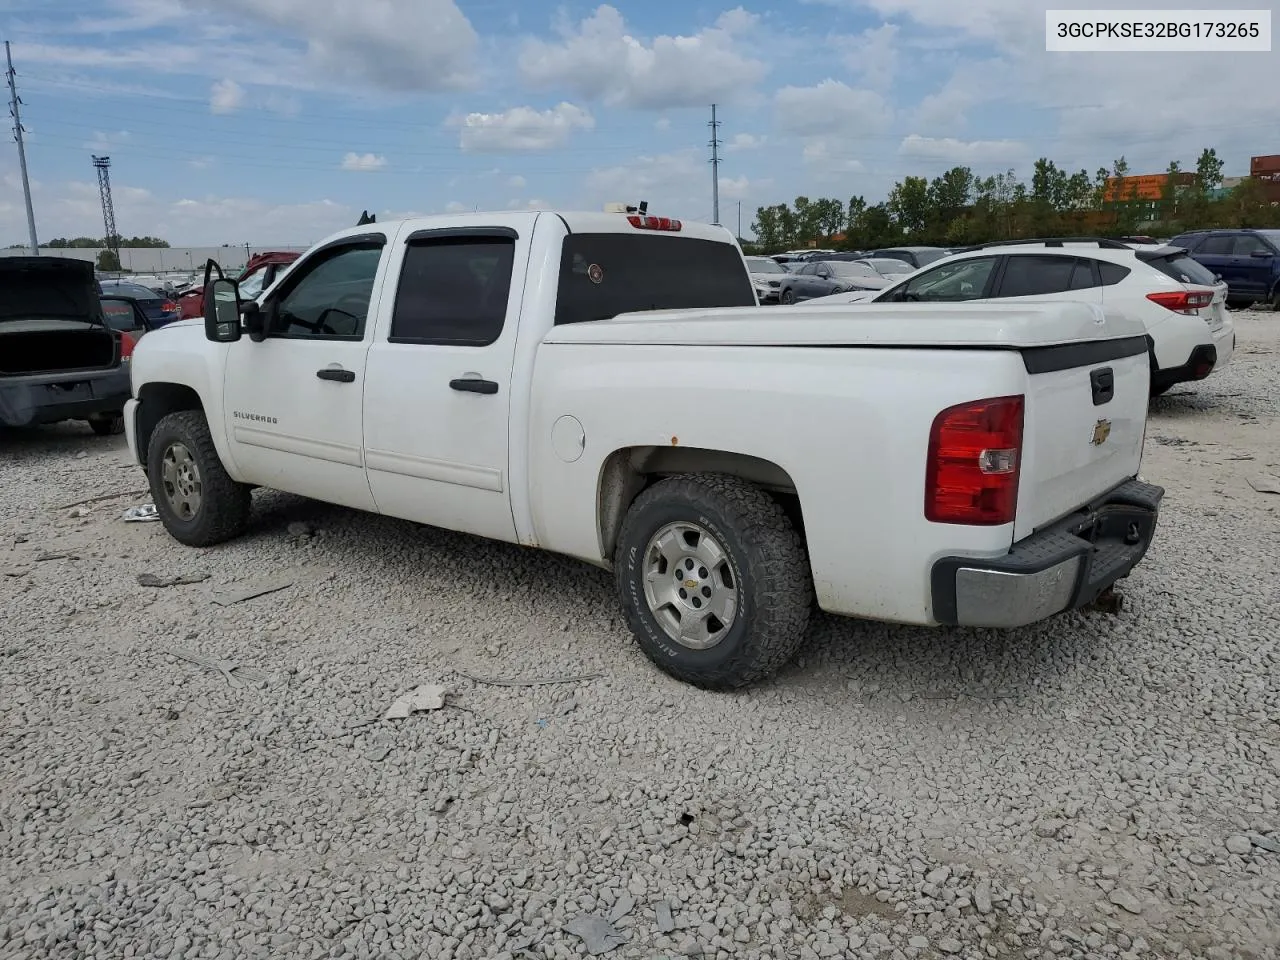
[1185, 270]
[886, 266]
[851, 268]
[1272, 235]
[764, 265]
[928, 256]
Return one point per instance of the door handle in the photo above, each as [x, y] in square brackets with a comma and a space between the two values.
[337, 374]
[474, 385]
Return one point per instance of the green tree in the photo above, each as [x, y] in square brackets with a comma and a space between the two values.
[909, 204]
[949, 197]
[1208, 170]
[108, 261]
[767, 227]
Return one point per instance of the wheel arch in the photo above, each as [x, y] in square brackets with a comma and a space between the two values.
[629, 471]
[155, 402]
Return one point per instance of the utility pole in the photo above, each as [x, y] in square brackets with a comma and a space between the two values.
[14, 103]
[715, 167]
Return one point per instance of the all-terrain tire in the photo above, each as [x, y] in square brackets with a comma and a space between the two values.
[223, 513]
[768, 563]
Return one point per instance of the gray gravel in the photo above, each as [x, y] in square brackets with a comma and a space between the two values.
[1096, 787]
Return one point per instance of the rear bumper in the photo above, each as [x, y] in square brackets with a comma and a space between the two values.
[50, 398]
[1202, 362]
[1061, 568]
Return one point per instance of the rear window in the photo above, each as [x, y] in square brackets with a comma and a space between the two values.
[1185, 270]
[1187, 241]
[605, 274]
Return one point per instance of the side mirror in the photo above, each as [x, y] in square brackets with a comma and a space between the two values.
[222, 311]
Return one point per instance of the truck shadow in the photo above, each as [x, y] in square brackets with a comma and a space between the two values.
[851, 658]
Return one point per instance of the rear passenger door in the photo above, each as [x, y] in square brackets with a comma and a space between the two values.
[437, 395]
[1251, 261]
[1049, 277]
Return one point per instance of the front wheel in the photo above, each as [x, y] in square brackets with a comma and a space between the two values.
[714, 580]
[198, 502]
[788, 297]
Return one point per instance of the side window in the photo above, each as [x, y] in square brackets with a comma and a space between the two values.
[453, 291]
[328, 297]
[252, 285]
[951, 282]
[1035, 276]
[1246, 245]
[1187, 242]
[805, 271]
[1217, 245]
[1112, 273]
[1083, 277]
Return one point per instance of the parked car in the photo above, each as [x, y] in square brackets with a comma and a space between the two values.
[158, 310]
[1248, 260]
[889, 268]
[1180, 303]
[259, 273]
[766, 275]
[981, 472]
[59, 359]
[819, 278]
[916, 256]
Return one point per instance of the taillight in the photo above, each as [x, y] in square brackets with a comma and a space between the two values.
[653, 223]
[975, 450]
[1181, 301]
[126, 346]
[169, 307]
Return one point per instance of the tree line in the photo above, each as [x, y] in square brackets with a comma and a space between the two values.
[959, 208]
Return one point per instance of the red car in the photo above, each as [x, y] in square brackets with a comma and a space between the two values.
[259, 273]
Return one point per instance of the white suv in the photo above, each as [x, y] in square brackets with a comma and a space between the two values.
[1182, 304]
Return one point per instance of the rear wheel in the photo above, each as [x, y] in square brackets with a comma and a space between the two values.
[714, 580]
[198, 502]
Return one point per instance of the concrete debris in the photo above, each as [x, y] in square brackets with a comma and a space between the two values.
[424, 698]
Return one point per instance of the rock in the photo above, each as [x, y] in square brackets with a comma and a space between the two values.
[918, 943]
[982, 897]
[666, 923]
[1239, 845]
[300, 528]
[1125, 900]
[1049, 829]
[939, 876]
[950, 945]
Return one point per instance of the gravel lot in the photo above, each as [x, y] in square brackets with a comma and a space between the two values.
[1096, 787]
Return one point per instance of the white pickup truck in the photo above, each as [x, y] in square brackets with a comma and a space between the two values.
[604, 386]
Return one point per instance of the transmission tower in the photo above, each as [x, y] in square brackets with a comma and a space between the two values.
[715, 166]
[112, 239]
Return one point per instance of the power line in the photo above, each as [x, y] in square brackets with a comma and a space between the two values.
[715, 166]
[14, 103]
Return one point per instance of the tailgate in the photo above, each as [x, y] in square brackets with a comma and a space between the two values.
[1085, 419]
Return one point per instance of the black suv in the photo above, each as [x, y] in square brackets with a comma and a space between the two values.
[1249, 260]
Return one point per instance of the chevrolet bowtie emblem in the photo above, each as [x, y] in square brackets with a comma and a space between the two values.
[1101, 430]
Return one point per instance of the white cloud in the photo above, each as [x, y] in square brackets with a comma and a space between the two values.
[102, 142]
[402, 45]
[363, 161]
[226, 96]
[453, 206]
[521, 128]
[662, 123]
[671, 183]
[830, 156]
[747, 141]
[830, 106]
[600, 59]
[517, 182]
[873, 55]
[975, 153]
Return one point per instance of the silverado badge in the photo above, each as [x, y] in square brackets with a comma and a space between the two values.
[1101, 430]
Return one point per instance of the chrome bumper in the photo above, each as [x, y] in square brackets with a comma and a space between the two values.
[1060, 568]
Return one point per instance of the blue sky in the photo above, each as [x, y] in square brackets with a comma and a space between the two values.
[278, 121]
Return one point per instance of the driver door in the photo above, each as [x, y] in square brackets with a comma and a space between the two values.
[293, 402]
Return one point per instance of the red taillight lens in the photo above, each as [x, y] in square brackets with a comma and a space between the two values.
[126, 346]
[654, 223]
[169, 307]
[975, 450]
[1181, 301]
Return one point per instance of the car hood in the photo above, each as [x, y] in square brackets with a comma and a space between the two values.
[48, 287]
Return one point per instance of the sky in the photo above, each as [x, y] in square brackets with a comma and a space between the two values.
[279, 121]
